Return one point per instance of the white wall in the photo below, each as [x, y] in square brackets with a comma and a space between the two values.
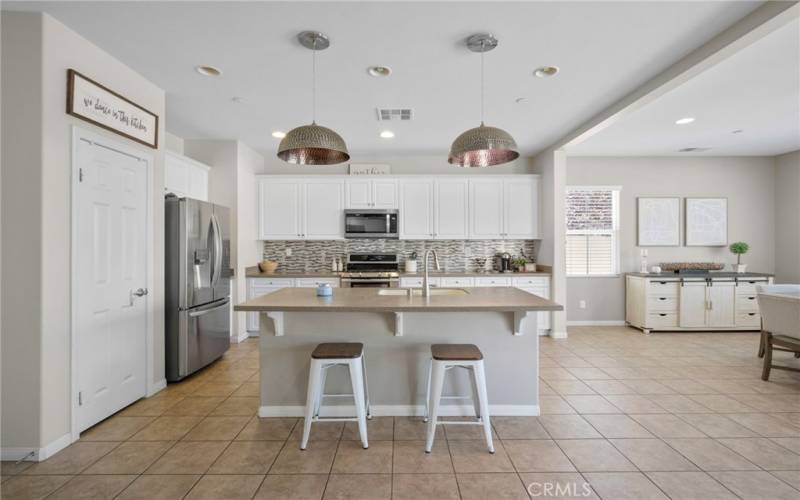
[173, 143]
[747, 182]
[787, 218]
[401, 165]
[46, 169]
[249, 248]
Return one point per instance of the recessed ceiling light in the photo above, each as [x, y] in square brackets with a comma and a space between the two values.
[379, 70]
[693, 150]
[684, 121]
[737, 131]
[521, 100]
[237, 99]
[208, 70]
[546, 71]
[387, 134]
[278, 134]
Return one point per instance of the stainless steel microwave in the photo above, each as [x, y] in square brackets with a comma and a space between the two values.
[370, 223]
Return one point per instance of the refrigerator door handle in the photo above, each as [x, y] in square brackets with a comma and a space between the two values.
[216, 269]
[194, 314]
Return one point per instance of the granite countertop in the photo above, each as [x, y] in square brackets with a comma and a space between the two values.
[498, 299]
[254, 272]
[709, 274]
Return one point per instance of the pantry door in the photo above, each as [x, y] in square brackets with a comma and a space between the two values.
[110, 275]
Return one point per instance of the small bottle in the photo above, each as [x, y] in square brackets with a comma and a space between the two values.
[334, 265]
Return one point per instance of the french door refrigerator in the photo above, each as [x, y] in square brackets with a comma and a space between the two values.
[198, 282]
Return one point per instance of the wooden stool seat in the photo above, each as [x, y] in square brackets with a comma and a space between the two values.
[338, 350]
[456, 352]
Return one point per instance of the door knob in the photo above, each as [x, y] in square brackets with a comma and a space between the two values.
[141, 292]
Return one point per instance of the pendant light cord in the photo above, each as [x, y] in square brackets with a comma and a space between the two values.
[483, 51]
[314, 82]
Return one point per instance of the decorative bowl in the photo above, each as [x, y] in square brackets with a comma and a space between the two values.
[268, 266]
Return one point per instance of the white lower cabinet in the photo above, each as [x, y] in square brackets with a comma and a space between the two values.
[257, 287]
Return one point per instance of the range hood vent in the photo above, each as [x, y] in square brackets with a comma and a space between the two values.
[394, 114]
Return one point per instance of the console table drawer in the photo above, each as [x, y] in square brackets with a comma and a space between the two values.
[663, 288]
[662, 320]
[747, 302]
[662, 303]
[748, 319]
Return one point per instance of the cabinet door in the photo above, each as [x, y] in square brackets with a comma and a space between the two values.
[176, 176]
[198, 182]
[279, 209]
[721, 304]
[485, 209]
[521, 208]
[384, 193]
[416, 209]
[323, 213]
[451, 209]
[359, 193]
[693, 304]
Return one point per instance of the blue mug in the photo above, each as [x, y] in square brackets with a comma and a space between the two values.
[324, 290]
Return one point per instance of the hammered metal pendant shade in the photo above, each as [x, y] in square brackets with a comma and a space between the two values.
[313, 145]
[483, 147]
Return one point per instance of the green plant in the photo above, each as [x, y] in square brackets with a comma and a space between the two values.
[519, 262]
[739, 248]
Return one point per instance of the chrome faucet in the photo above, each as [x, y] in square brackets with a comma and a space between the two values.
[426, 286]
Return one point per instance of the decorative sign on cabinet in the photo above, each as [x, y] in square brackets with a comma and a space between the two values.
[184, 176]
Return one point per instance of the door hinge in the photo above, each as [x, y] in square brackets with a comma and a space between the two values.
[80, 398]
[80, 175]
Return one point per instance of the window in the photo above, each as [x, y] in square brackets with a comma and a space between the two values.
[592, 231]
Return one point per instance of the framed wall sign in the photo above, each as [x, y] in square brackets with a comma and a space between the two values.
[369, 169]
[706, 222]
[97, 104]
[659, 222]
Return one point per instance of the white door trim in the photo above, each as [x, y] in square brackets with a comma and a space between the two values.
[151, 386]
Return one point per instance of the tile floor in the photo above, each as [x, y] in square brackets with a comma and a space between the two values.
[624, 415]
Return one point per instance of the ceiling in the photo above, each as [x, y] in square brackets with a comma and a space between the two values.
[755, 91]
[604, 50]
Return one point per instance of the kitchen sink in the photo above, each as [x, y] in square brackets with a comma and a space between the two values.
[418, 291]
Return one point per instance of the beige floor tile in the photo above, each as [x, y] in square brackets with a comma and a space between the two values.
[292, 487]
[591, 404]
[166, 428]
[710, 455]
[570, 387]
[652, 455]
[537, 456]
[237, 406]
[677, 403]
[32, 487]
[590, 455]
[423, 486]
[457, 432]
[229, 487]
[756, 485]
[267, 429]
[188, 457]
[687, 386]
[217, 428]
[722, 404]
[320, 431]
[617, 426]
[791, 477]
[472, 456]
[247, 389]
[609, 387]
[519, 428]
[247, 457]
[634, 403]
[494, 486]
[132, 457]
[690, 486]
[568, 427]
[589, 373]
[764, 453]
[352, 458]
[159, 487]
[359, 487]
[149, 407]
[116, 428]
[554, 405]
[667, 426]
[765, 425]
[316, 459]
[378, 429]
[409, 457]
[223, 389]
[195, 406]
[648, 387]
[73, 459]
[562, 485]
[716, 426]
[412, 429]
[792, 444]
[624, 486]
[93, 487]
[12, 467]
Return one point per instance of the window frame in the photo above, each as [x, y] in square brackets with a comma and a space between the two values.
[614, 232]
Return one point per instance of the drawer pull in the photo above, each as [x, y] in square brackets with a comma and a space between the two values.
[751, 314]
[751, 298]
[663, 282]
[662, 314]
[662, 298]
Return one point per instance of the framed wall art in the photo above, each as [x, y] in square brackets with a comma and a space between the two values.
[706, 222]
[658, 221]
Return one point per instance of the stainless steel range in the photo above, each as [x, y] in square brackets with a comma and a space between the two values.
[376, 270]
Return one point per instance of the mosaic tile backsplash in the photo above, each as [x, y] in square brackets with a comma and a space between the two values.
[454, 255]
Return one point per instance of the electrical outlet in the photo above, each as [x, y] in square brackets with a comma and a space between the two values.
[582, 304]
[288, 252]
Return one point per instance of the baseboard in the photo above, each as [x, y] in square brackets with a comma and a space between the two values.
[253, 334]
[401, 411]
[34, 454]
[157, 387]
[615, 322]
[558, 335]
[241, 338]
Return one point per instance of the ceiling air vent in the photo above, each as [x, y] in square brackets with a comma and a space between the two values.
[693, 150]
[393, 114]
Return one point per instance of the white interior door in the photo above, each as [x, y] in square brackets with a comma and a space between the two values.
[110, 269]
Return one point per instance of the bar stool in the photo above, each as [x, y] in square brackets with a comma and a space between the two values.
[443, 358]
[324, 357]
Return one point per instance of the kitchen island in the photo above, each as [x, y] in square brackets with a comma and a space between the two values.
[397, 328]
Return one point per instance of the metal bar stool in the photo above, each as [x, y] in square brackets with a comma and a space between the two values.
[445, 357]
[324, 357]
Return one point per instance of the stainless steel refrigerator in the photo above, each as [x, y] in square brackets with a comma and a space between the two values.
[198, 282]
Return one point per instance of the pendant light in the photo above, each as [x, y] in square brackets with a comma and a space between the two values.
[482, 146]
[313, 144]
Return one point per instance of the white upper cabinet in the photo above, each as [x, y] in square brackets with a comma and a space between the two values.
[451, 209]
[486, 209]
[521, 201]
[416, 209]
[280, 208]
[323, 209]
[185, 177]
[372, 193]
[504, 208]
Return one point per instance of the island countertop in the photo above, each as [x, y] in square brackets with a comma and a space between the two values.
[500, 299]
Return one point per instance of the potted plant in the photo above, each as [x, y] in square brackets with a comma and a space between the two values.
[519, 263]
[739, 248]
